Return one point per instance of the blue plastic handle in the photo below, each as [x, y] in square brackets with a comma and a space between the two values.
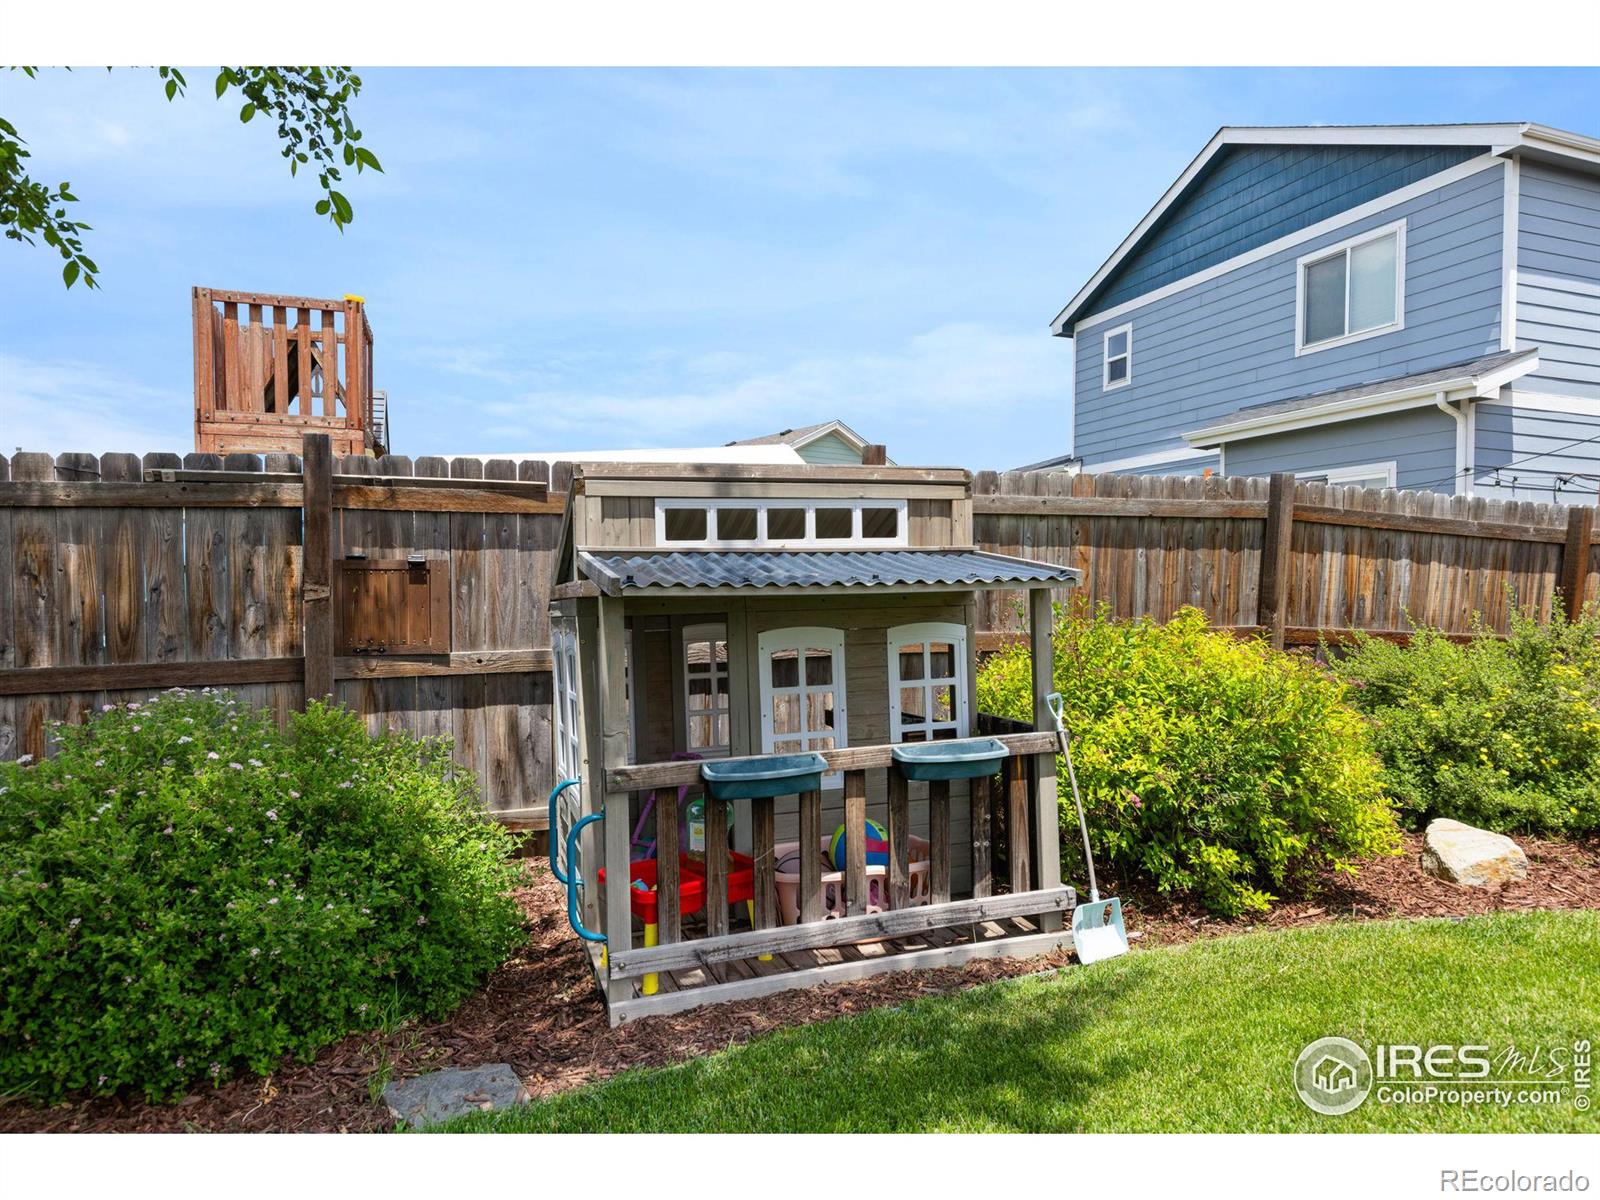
[555, 830]
[574, 882]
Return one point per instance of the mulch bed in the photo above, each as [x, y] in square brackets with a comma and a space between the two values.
[540, 1011]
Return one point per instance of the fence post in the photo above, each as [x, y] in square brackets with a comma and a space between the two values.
[1272, 604]
[1575, 559]
[316, 597]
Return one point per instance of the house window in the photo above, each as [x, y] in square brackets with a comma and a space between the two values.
[704, 650]
[802, 692]
[564, 700]
[927, 682]
[1118, 357]
[781, 523]
[1352, 291]
[1368, 475]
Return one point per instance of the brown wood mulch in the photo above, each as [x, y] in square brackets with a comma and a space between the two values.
[540, 1011]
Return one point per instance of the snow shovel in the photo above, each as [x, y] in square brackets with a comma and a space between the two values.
[1097, 930]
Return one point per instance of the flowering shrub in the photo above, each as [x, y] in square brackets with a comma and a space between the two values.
[1501, 734]
[1212, 766]
[186, 892]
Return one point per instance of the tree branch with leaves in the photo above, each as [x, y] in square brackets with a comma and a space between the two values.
[316, 131]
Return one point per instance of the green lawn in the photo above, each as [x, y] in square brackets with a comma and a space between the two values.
[1201, 1037]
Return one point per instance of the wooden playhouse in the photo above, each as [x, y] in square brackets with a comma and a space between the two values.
[783, 630]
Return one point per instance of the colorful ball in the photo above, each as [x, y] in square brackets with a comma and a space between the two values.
[877, 839]
[789, 864]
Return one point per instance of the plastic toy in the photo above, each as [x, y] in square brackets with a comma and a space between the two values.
[877, 846]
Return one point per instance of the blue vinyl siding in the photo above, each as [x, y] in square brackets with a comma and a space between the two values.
[1534, 450]
[1205, 351]
[1252, 195]
[1558, 279]
[1421, 442]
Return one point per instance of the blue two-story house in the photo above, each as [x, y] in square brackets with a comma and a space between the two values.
[1410, 306]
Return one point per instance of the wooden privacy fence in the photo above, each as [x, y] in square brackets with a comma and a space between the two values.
[120, 576]
[1298, 561]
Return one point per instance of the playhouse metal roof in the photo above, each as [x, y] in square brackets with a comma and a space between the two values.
[825, 570]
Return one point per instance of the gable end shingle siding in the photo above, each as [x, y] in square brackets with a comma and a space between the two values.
[1253, 195]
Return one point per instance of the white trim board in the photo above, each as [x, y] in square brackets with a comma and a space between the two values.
[1465, 387]
[1360, 212]
[1158, 458]
[1509, 234]
[1582, 406]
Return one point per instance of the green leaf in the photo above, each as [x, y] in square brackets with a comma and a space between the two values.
[172, 88]
[322, 208]
[222, 82]
[248, 111]
[341, 207]
[70, 273]
[368, 158]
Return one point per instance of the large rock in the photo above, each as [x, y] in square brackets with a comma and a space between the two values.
[429, 1099]
[1467, 855]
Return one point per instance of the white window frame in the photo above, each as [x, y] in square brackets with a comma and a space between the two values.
[800, 638]
[1345, 476]
[564, 700]
[926, 632]
[762, 541]
[713, 632]
[1396, 229]
[1106, 384]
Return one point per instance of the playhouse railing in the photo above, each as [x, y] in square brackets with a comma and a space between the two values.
[1020, 802]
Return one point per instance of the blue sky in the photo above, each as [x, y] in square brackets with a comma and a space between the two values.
[581, 258]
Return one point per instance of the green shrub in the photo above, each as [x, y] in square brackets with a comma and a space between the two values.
[187, 892]
[1501, 734]
[1214, 767]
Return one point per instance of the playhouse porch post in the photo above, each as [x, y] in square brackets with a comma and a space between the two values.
[1047, 814]
[614, 753]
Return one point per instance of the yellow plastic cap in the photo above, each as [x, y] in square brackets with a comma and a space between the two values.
[357, 299]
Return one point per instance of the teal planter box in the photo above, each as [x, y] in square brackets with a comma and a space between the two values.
[761, 778]
[966, 759]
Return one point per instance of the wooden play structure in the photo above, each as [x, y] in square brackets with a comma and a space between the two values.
[792, 650]
[269, 369]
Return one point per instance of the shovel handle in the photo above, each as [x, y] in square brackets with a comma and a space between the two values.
[1056, 703]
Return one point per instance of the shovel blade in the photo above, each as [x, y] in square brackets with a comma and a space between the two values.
[1097, 930]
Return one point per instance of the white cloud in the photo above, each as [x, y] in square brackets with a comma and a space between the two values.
[77, 406]
[950, 376]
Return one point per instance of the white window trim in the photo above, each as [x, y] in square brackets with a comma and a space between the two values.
[925, 632]
[801, 637]
[564, 709]
[762, 541]
[1343, 476]
[1301, 346]
[1105, 358]
[706, 631]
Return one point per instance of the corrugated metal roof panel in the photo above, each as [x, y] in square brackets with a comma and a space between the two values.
[717, 570]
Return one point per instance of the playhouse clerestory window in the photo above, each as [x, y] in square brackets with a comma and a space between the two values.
[927, 682]
[780, 524]
[802, 692]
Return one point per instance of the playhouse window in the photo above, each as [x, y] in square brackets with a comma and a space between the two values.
[705, 689]
[927, 682]
[564, 701]
[781, 524]
[802, 692]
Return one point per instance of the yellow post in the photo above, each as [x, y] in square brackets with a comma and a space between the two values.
[650, 982]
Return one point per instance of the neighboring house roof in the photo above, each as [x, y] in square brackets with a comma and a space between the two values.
[804, 435]
[1510, 139]
[828, 570]
[1481, 377]
[738, 453]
